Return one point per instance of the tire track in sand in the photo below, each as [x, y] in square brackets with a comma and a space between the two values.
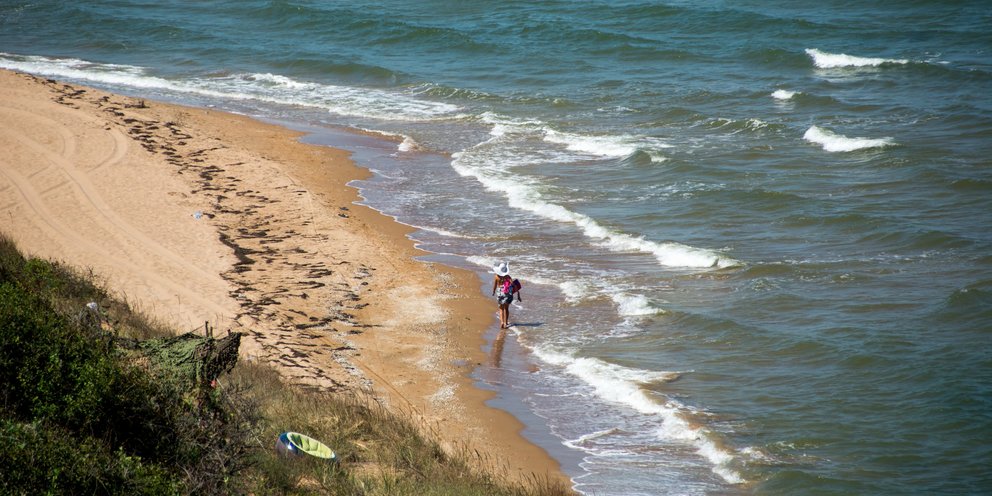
[117, 153]
[68, 144]
[136, 245]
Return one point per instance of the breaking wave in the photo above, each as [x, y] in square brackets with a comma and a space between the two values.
[833, 142]
[825, 60]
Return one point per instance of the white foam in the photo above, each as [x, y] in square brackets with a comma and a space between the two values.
[751, 124]
[721, 122]
[490, 162]
[438, 230]
[124, 75]
[833, 142]
[573, 290]
[581, 442]
[613, 146]
[483, 262]
[603, 146]
[263, 87]
[825, 60]
[622, 385]
[755, 124]
[503, 122]
[277, 80]
[657, 158]
[627, 304]
[630, 305]
[608, 375]
[408, 145]
[781, 94]
[595, 435]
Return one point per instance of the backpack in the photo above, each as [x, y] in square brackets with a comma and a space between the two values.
[510, 286]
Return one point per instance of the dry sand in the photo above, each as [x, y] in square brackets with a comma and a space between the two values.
[195, 216]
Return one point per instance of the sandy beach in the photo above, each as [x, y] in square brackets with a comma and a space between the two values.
[198, 216]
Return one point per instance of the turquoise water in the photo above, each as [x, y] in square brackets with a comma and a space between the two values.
[754, 237]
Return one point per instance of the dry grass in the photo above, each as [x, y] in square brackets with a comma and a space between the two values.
[378, 453]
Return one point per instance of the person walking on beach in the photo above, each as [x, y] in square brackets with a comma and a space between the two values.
[507, 287]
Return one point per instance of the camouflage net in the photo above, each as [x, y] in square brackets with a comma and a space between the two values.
[189, 359]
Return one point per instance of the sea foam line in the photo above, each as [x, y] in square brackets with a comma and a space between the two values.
[524, 197]
[262, 87]
[523, 193]
[825, 60]
[833, 142]
[580, 444]
[610, 146]
[622, 385]
[603, 146]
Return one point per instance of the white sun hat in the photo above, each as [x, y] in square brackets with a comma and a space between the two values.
[502, 269]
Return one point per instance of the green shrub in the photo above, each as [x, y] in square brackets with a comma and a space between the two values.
[42, 275]
[45, 459]
[29, 350]
[51, 370]
[64, 382]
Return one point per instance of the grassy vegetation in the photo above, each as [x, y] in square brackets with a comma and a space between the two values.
[80, 415]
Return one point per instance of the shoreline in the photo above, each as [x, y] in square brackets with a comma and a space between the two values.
[196, 215]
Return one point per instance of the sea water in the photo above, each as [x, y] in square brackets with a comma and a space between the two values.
[754, 237]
